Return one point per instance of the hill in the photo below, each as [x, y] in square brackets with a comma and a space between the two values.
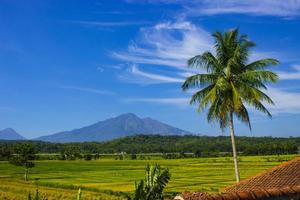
[10, 134]
[121, 126]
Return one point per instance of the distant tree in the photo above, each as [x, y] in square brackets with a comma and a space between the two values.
[151, 188]
[70, 152]
[230, 83]
[133, 156]
[5, 152]
[87, 156]
[182, 155]
[24, 154]
[198, 153]
[97, 156]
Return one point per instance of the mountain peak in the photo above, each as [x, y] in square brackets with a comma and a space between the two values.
[123, 125]
[9, 130]
[10, 134]
[127, 115]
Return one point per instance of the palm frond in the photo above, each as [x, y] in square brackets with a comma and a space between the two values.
[261, 64]
[231, 82]
[198, 80]
[206, 61]
[199, 95]
[243, 115]
[259, 106]
[260, 75]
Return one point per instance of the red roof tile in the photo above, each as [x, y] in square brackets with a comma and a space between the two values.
[281, 182]
[285, 175]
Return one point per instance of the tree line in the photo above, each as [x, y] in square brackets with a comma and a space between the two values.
[199, 146]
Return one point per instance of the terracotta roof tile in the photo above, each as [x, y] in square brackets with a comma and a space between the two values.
[282, 181]
[285, 175]
[270, 194]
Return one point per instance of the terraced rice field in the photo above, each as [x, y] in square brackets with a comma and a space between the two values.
[105, 179]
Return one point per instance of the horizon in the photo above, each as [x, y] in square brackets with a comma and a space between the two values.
[137, 134]
[65, 66]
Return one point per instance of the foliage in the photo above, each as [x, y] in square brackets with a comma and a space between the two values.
[151, 188]
[230, 82]
[202, 146]
[5, 152]
[87, 156]
[70, 152]
[24, 154]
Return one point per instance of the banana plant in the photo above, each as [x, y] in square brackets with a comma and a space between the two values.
[151, 188]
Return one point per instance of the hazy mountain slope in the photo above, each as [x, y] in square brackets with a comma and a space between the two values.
[10, 134]
[123, 125]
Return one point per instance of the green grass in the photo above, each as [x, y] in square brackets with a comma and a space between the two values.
[113, 176]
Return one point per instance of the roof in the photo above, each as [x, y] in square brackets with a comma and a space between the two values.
[270, 194]
[282, 181]
[284, 175]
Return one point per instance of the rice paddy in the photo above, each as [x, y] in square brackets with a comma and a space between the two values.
[114, 179]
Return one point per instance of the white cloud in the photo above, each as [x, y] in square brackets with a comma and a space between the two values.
[285, 101]
[169, 101]
[184, 25]
[281, 8]
[290, 75]
[89, 90]
[135, 75]
[286, 8]
[173, 43]
[167, 44]
[100, 69]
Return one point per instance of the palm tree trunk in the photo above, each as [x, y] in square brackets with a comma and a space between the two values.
[236, 167]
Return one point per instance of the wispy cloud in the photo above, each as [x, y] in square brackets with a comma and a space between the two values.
[108, 24]
[173, 43]
[286, 8]
[285, 101]
[281, 8]
[167, 44]
[100, 69]
[169, 101]
[89, 90]
[295, 75]
[136, 75]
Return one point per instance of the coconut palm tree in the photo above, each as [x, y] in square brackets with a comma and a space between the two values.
[230, 82]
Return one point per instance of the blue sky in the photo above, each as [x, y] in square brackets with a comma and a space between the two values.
[67, 64]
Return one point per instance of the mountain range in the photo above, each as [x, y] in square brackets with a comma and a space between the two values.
[10, 134]
[121, 126]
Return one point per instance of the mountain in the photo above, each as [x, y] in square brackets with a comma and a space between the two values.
[123, 125]
[10, 134]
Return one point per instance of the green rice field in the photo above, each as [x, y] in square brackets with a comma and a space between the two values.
[114, 179]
